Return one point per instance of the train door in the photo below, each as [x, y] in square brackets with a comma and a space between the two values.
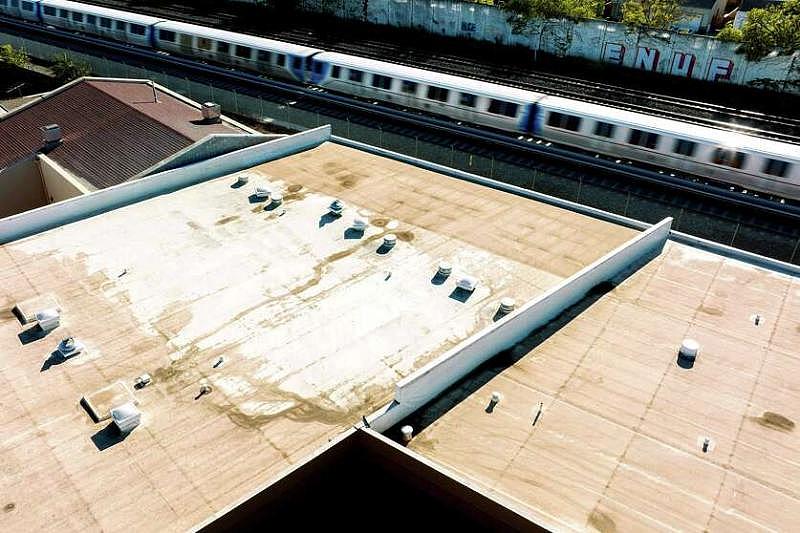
[531, 121]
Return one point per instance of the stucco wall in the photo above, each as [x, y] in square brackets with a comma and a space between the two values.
[682, 55]
[21, 188]
[59, 183]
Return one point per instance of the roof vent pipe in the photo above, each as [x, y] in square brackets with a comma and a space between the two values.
[51, 135]
[211, 112]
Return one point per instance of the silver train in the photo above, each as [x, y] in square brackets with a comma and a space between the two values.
[749, 162]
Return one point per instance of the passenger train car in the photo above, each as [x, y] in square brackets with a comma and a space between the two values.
[750, 162]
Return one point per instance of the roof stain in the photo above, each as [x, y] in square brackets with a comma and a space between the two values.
[294, 188]
[774, 421]
[600, 521]
[710, 310]
[225, 220]
[406, 236]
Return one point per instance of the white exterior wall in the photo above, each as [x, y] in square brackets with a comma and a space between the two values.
[54, 215]
[694, 56]
[430, 381]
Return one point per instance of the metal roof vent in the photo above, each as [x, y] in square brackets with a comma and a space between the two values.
[408, 433]
[360, 223]
[242, 180]
[277, 198]
[336, 207]
[262, 192]
[126, 417]
[211, 112]
[467, 283]
[69, 347]
[51, 135]
[48, 319]
[689, 349]
[507, 305]
[389, 240]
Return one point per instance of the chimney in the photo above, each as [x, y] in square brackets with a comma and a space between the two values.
[211, 112]
[51, 135]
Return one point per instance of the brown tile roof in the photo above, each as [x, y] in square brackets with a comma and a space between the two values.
[111, 130]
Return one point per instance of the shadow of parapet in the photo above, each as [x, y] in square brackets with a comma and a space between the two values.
[484, 373]
[108, 437]
[32, 334]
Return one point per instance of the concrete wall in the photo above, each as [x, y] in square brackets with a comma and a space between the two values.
[692, 56]
[21, 188]
[59, 183]
[431, 380]
[38, 220]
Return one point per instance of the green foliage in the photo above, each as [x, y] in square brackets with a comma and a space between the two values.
[775, 28]
[9, 56]
[730, 34]
[661, 14]
[66, 69]
[522, 13]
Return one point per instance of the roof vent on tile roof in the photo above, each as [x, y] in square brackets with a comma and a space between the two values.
[51, 136]
[211, 113]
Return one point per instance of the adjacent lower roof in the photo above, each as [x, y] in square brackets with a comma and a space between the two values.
[112, 129]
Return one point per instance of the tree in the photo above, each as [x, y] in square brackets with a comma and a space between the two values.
[775, 28]
[66, 69]
[730, 34]
[523, 13]
[9, 56]
[661, 14]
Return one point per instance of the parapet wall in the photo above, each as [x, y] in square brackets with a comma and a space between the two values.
[54, 215]
[667, 52]
[430, 381]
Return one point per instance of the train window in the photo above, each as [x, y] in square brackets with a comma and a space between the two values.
[643, 138]
[264, 56]
[49, 11]
[120, 25]
[408, 87]
[223, 47]
[77, 17]
[729, 158]
[297, 62]
[2, 2]
[63, 13]
[336, 72]
[91, 19]
[243, 51]
[356, 75]
[501, 107]
[280, 60]
[137, 29]
[203, 43]
[467, 100]
[14, 3]
[604, 129]
[381, 82]
[437, 93]
[776, 167]
[166, 35]
[563, 121]
[684, 147]
[105, 23]
[27, 6]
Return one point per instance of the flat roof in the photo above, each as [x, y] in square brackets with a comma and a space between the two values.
[618, 444]
[299, 326]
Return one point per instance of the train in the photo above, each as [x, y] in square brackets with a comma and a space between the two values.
[752, 163]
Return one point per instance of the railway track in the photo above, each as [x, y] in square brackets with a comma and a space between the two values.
[765, 125]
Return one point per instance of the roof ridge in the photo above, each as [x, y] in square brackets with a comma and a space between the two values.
[135, 109]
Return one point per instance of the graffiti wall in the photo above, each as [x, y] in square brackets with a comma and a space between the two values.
[685, 55]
